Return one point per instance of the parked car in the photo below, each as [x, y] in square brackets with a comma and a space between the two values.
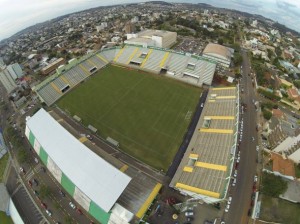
[62, 193]
[43, 169]
[189, 213]
[227, 208]
[72, 205]
[229, 200]
[255, 178]
[79, 211]
[49, 213]
[22, 170]
[30, 183]
[36, 183]
[44, 205]
[235, 173]
[233, 182]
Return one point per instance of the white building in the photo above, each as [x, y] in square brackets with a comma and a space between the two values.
[290, 148]
[153, 38]
[7, 81]
[254, 23]
[222, 55]
[15, 71]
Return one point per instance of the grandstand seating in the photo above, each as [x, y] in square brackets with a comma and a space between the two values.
[176, 63]
[154, 61]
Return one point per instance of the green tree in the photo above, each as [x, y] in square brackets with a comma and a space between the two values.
[267, 114]
[273, 185]
[237, 59]
[297, 83]
[220, 41]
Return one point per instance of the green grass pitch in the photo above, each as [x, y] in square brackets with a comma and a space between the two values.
[147, 114]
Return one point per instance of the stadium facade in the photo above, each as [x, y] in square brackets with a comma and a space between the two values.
[93, 183]
[193, 69]
[205, 170]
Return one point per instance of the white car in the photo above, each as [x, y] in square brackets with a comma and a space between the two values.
[229, 200]
[202, 105]
[257, 148]
[72, 205]
[235, 173]
[255, 178]
[189, 213]
[227, 208]
[233, 182]
[48, 212]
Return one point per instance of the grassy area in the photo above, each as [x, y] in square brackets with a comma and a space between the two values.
[147, 114]
[3, 162]
[4, 219]
[279, 211]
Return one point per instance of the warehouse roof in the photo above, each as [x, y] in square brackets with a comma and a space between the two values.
[207, 162]
[218, 50]
[99, 180]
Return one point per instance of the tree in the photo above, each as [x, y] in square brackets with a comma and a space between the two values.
[44, 191]
[237, 59]
[267, 114]
[220, 41]
[273, 185]
[297, 83]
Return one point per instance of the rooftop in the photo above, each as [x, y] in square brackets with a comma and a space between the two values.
[149, 33]
[219, 50]
[283, 166]
[106, 183]
[207, 162]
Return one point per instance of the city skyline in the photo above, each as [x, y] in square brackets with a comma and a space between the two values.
[286, 12]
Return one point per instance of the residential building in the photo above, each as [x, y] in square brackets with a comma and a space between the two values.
[52, 66]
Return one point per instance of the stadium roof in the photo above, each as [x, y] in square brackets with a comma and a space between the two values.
[150, 33]
[207, 161]
[219, 50]
[99, 180]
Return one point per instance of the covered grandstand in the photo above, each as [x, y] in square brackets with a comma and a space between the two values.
[205, 170]
[155, 60]
[219, 53]
[107, 193]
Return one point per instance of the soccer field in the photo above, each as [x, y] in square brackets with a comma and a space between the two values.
[147, 114]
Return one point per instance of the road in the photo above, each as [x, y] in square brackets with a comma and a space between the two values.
[241, 193]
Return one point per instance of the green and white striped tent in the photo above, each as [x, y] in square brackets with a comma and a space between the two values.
[91, 181]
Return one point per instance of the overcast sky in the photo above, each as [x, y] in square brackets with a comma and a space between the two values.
[16, 15]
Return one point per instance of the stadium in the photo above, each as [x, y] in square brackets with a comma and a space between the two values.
[141, 100]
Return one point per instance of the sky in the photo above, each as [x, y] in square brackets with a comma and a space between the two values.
[16, 15]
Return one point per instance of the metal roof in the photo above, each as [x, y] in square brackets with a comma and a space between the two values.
[96, 178]
[207, 162]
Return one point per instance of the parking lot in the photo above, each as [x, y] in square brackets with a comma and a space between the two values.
[191, 45]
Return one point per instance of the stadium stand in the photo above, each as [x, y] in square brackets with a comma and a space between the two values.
[188, 68]
[116, 193]
[205, 170]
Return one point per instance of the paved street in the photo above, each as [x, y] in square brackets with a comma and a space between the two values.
[241, 193]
